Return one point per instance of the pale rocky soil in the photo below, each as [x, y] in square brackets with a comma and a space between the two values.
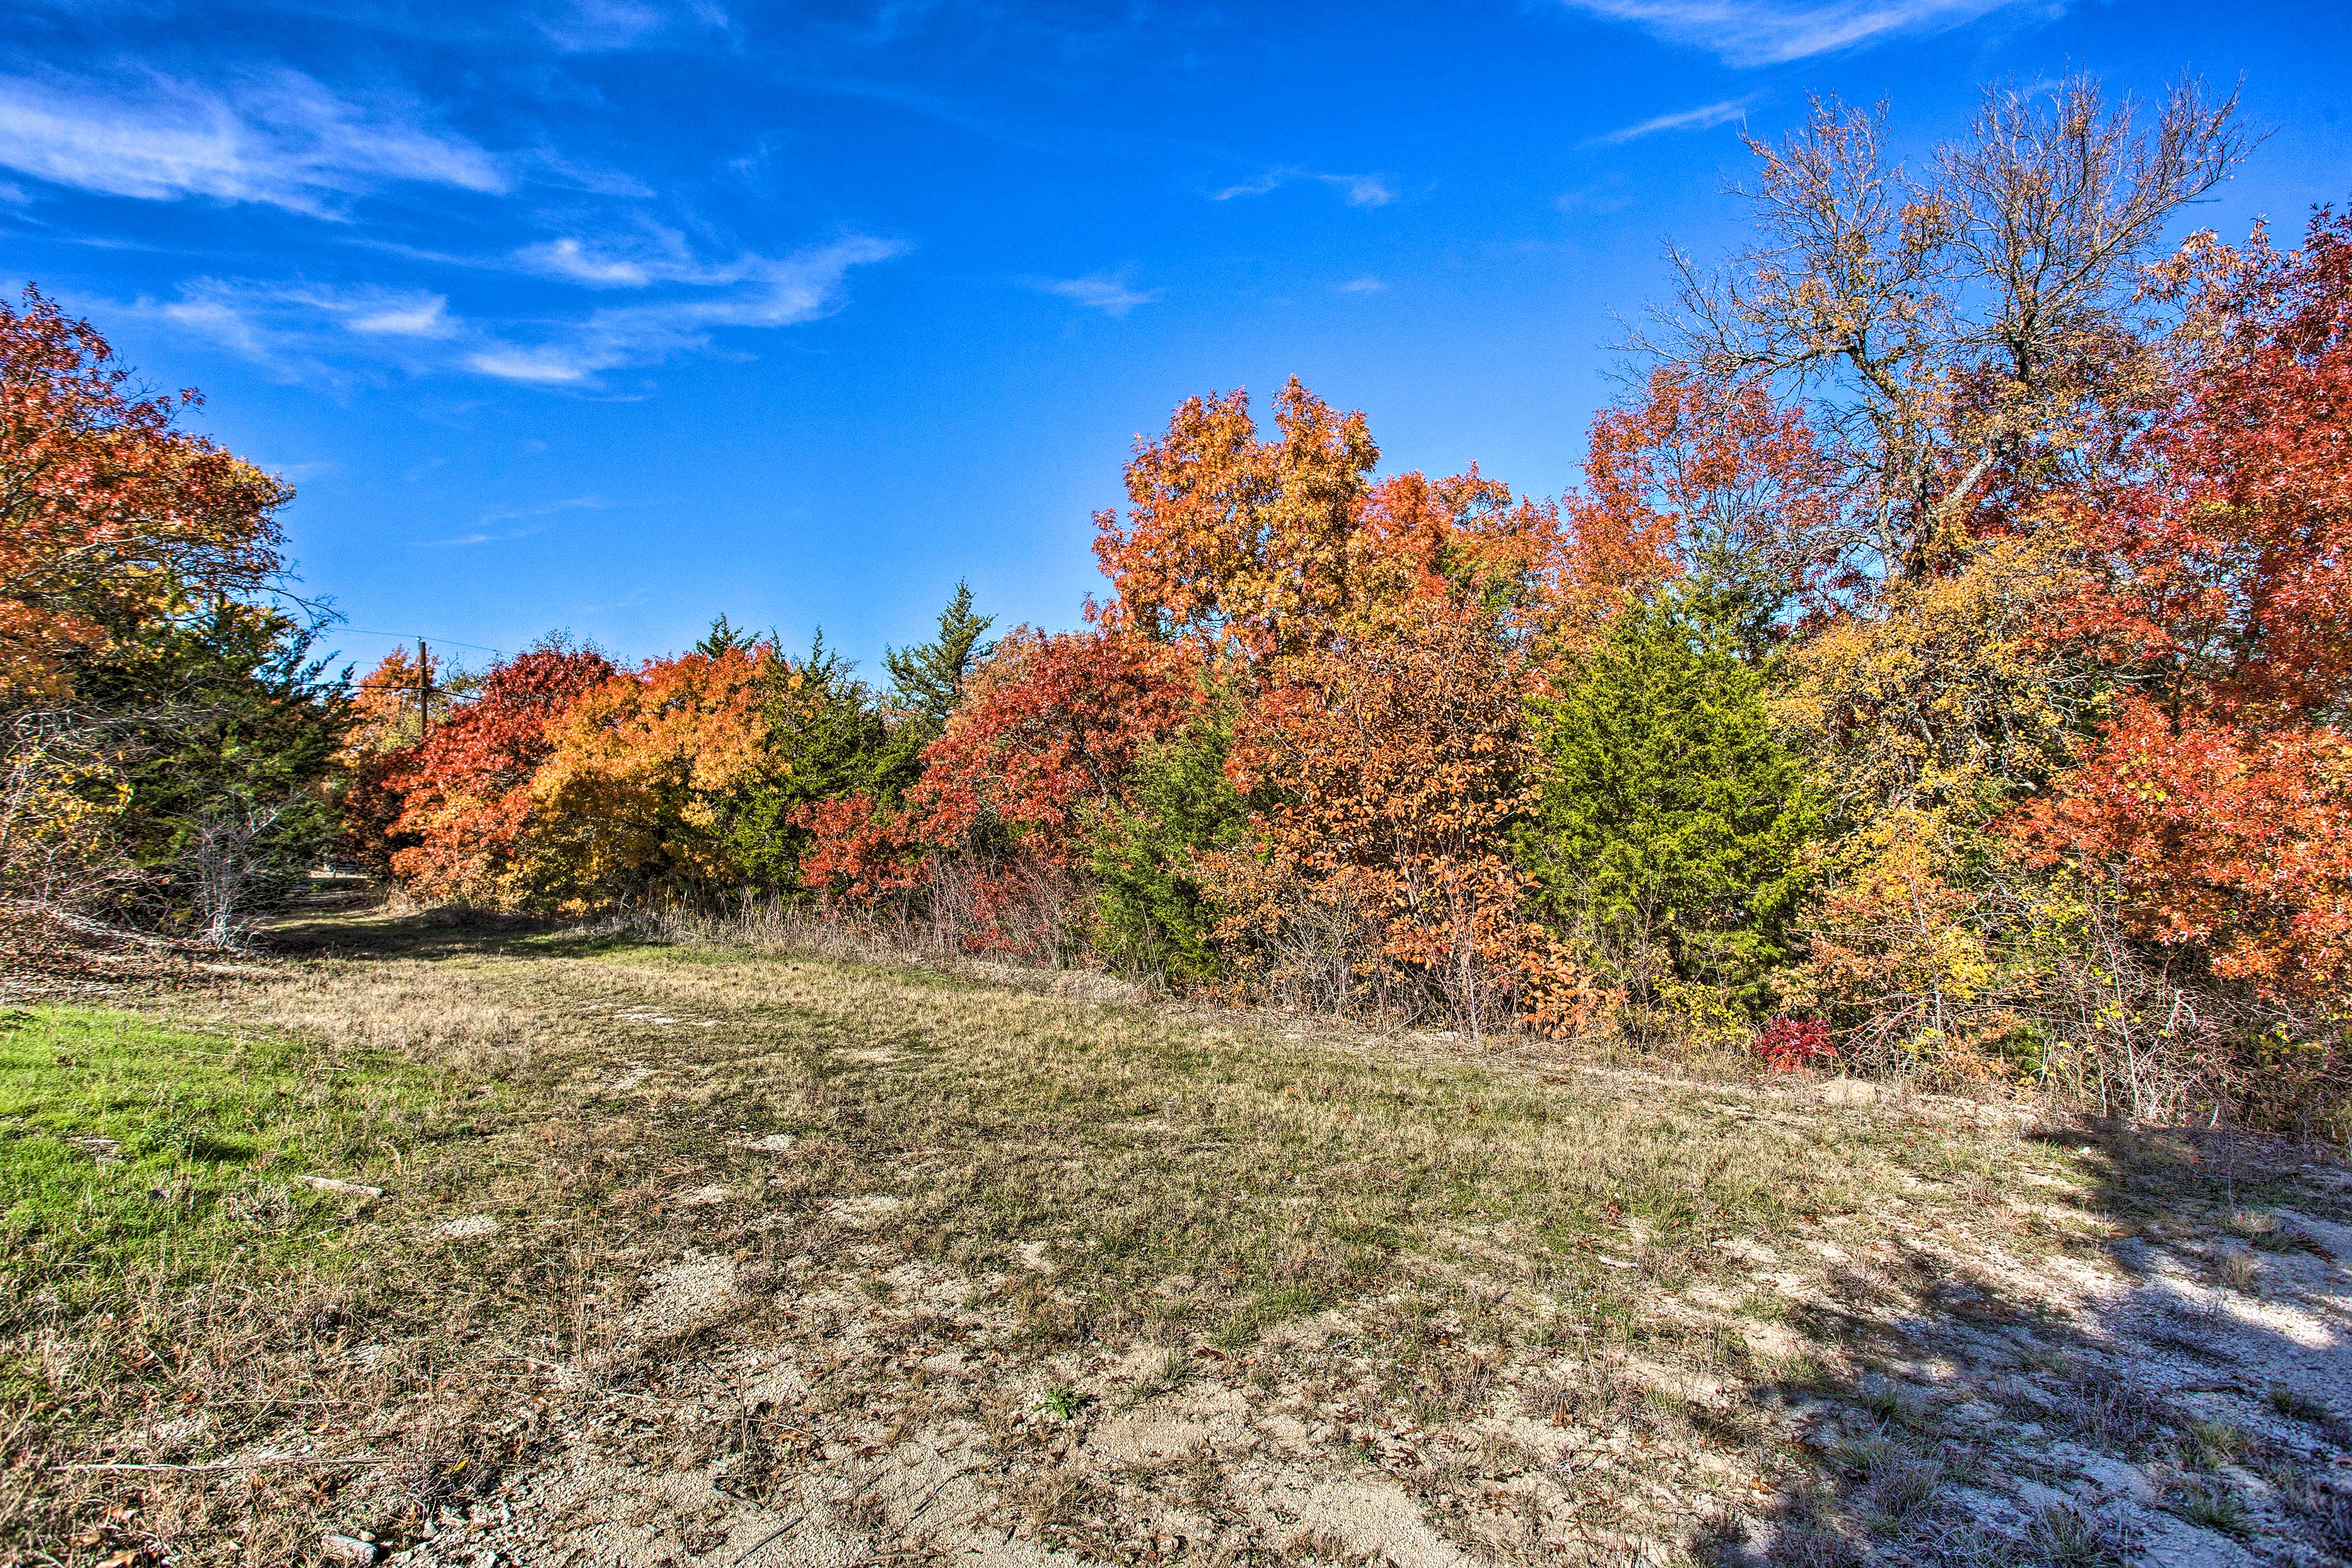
[2039, 1386]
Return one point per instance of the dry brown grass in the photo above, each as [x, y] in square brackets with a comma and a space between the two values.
[1014, 1269]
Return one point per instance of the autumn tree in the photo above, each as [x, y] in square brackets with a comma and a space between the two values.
[1048, 733]
[634, 798]
[392, 708]
[1392, 768]
[2216, 799]
[993, 835]
[1259, 542]
[1963, 326]
[166, 733]
[467, 826]
[111, 515]
[1045, 741]
[1714, 481]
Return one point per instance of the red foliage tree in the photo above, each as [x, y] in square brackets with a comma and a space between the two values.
[1695, 474]
[379, 753]
[108, 513]
[2223, 840]
[2218, 798]
[860, 854]
[994, 829]
[1048, 732]
[1462, 536]
[1792, 1044]
[468, 807]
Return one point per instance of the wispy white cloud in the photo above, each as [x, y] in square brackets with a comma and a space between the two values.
[1098, 291]
[1703, 118]
[461, 541]
[410, 316]
[1771, 32]
[760, 293]
[305, 332]
[549, 508]
[542, 365]
[653, 255]
[1271, 179]
[302, 331]
[534, 518]
[1358, 190]
[591, 26]
[1366, 285]
[280, 138]
[1598, 199]
[575, 261]
[554, 168]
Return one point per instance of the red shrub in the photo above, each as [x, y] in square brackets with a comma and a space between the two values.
[1790, 1045]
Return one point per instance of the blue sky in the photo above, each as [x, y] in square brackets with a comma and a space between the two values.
[611, 315]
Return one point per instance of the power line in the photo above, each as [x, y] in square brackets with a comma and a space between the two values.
[405, 637]
[424, 685]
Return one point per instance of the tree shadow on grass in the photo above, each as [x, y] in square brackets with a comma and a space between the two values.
[2194, 1405]
[360, 923]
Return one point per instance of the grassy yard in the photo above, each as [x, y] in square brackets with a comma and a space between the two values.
[686, 1255]
[135, 1150]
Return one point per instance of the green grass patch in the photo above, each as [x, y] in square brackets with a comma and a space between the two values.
[132, 1150]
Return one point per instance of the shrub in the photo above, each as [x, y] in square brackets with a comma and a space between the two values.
[1789, 1045]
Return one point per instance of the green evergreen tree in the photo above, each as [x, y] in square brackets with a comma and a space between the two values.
[1150, 911]
[228, 719]
[1671, 818]
[828, 735]
[928, 679]
[725, 637]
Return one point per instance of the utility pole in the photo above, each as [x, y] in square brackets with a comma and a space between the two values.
[424, 692]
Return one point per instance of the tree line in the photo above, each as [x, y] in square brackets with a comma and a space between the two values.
[1941, 665]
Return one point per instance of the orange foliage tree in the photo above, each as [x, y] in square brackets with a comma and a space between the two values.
[130, 554]
[468, 807]
[1392, 766]
[632, 799]
[1387, 638]
[108, 514]
[1259, 542]
[2217, 799]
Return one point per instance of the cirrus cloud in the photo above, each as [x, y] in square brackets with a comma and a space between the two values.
[1773, 32]
[1356, 190]
[1703, 118]
[310, 332]
[283, 141]
[1101, 291]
